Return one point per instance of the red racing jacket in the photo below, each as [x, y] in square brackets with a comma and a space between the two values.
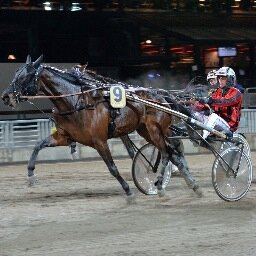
[227, 104]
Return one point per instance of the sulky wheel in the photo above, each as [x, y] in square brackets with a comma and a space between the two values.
[232, 182]
[240, 138]
[145, 171]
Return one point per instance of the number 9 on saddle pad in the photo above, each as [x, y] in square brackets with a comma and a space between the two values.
[117, 97]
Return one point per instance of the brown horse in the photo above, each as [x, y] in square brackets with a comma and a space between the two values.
[82, 113]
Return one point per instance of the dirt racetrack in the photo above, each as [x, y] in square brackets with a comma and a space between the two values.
[78, 208]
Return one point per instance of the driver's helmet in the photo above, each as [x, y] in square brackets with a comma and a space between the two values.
[229, 73]
[211, 77]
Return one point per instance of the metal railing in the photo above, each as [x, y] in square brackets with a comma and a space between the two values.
[19, 137]
[248, 121]
[249, 98]
[26, 133]
[23, 133]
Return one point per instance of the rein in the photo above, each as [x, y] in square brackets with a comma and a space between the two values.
[58, 96]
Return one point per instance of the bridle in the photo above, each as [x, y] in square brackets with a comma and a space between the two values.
[24, 94]
[21, 95]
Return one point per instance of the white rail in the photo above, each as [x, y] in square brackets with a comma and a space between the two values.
[18, 137]
[26, 133]
[23, 133]
[248, 121]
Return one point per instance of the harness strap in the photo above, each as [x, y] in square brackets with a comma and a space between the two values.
[58, 96]
[81, 107]
[112, 125]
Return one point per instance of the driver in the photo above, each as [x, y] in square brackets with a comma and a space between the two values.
[226, 103]
[212, 78]
[212, 81]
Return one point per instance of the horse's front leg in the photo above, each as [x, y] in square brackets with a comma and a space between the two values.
[104, 151]
[50, 141]
[177, 157]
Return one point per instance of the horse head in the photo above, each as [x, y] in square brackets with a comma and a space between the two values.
[23, 84]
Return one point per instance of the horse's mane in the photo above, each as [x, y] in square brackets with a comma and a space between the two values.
[68, 76]
[91, 79]
[86, 75]
[85, 78]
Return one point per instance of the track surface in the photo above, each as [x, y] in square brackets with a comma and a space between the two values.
[78, 208]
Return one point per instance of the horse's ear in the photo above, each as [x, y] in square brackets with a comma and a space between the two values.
[38, 61]
[28, 59]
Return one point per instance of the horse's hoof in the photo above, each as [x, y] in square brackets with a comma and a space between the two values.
[161, 192]
[175, 171]
[174, 168]
[198, 190]
[75, 155]
[32, 180]
[130, 199]
[253, 180]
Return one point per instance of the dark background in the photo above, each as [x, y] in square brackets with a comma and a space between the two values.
[110, 36]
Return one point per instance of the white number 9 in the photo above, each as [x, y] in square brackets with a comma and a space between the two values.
[117, 93]
[117, 96]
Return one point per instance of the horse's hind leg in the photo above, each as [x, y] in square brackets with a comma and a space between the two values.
[177, 158]
[105, 153]
[128, 145]
[160, 179]
[73, 147]
[154, 136]
[50, 141]
[73, 150]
